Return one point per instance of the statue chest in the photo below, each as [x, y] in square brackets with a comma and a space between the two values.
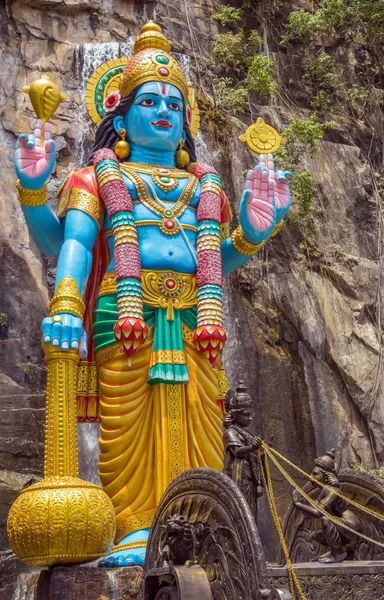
[165, 220]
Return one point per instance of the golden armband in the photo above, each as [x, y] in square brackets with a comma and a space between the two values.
[277, 229]
[67, 299]
[32, 197]
[240, 243]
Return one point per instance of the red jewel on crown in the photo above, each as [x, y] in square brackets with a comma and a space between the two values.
[163, 71]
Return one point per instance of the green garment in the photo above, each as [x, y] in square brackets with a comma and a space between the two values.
[167, 336]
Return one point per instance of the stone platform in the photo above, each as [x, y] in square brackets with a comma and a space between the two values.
[350, 580]
[78, 583]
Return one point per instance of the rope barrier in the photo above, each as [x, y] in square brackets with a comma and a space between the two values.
[332, 518]
[369, 511]
[267, 482]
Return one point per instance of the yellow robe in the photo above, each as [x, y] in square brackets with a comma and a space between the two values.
[151, 434]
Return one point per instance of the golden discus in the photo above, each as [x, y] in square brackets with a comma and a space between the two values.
[262, 138]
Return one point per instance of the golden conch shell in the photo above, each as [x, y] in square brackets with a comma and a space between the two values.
[262, 138]
[45, 97]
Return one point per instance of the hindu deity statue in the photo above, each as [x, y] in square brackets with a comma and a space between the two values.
[241, 446]
[340, 539]
[142, 238]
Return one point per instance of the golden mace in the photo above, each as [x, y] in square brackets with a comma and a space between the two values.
[61, 519]
[45, 97]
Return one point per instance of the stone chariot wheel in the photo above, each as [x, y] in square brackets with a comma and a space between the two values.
[204, 538]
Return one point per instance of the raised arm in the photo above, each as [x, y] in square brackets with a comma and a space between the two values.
[34, 165]
[266, 200]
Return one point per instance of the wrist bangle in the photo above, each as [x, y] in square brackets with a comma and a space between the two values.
[67, 299]
[32, 197]
[241, 244]
[276, 229]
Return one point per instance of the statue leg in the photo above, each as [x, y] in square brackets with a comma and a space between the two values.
[334, 541]
[149, 435]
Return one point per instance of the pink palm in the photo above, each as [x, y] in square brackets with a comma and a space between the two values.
[35, 162]
[260, 209]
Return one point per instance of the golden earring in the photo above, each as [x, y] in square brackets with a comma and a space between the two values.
[122, 148]
[182, 156]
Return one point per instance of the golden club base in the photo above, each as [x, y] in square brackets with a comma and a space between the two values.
[61, 520]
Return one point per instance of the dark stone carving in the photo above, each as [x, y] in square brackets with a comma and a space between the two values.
[339, 587]
[177, 542]
[205, 511]
[304, 531]
[241, 447]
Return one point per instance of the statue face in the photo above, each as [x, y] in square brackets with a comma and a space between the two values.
[243, 417]
[318, 474]
[155, 119]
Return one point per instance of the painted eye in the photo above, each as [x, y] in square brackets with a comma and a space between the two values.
[174, 106]
[147, 102]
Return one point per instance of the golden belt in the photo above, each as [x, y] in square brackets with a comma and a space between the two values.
[161, 289]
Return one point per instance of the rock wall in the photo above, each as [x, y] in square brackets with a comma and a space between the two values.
[303, 322]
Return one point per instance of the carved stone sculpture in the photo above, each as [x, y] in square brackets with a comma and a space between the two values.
[204, 543]
[241, 446]
[311, 536]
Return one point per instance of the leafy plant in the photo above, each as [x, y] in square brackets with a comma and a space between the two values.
[303, 189]
[322, 81]
[232, 52]
[300, 23]
[301, 138]
[228, 97]
[228, 16]
[260, 75]
[228, 51]
[364, 17]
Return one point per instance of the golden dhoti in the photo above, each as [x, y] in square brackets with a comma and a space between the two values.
[152, 433]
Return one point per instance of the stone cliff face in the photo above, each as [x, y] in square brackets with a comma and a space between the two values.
[304, 320]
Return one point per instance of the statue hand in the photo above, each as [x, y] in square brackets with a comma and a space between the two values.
[257, 208]
[67, 334]
[279, 181]
[34, 164]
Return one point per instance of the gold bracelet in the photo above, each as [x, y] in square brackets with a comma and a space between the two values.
[241, 244]
[32, 197]
[67, 299]
[277, 229]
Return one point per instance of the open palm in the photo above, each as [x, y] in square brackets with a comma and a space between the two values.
[34, 163]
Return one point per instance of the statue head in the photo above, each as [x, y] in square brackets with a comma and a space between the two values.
[326, 468]
[153, 94]
[238, 406]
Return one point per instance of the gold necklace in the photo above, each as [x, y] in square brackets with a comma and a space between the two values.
[168, 223]
[165, 178]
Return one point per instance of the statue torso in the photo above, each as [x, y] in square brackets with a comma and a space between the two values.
[159, 251]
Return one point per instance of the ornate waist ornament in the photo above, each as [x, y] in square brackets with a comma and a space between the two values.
[160, 289]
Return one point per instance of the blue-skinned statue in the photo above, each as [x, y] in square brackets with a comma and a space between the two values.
[142, 235]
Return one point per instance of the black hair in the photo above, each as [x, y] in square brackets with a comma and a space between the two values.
[106, 136]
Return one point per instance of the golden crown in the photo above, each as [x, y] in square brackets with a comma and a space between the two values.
[152, 62]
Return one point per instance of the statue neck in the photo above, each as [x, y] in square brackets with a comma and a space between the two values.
[149, 156]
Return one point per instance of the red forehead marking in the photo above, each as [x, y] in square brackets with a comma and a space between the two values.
[162, 88]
